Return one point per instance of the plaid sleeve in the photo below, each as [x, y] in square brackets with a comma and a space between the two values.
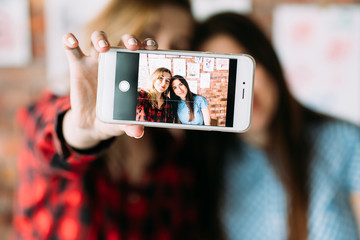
[142, 107]
[45, 146]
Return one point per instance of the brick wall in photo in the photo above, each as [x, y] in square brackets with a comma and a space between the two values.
[215, 93]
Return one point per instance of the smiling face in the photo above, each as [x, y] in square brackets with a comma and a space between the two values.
[265, 89]
[162, 82]
[179, 89]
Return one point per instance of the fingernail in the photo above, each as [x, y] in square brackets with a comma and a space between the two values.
[150, 43]
[132, 42]
[103, 43]
[71, 40]
[140, 135]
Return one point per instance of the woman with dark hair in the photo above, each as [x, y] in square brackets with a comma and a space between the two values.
[296, 173]
[191, 108]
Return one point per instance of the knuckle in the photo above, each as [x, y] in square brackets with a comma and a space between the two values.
[98, 34]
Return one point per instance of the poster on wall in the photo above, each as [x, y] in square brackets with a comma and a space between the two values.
[63, 16]
[179, 67]
[193, 70]
[222, 64]
[208, 64]
[319, 47]
[205, 79]
[15, 33]
[155, 63]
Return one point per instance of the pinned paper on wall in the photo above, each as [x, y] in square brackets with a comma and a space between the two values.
[222, 64]
[179, 66]
[204, 80]
[155, 63]
[319, 47]
[193, 70]
[156, 56]
[198, 59]
[208, 64]
[15, 35]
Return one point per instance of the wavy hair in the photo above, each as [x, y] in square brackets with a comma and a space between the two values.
[151, 91]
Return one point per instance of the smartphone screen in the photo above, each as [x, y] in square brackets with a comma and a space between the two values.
[202, 94]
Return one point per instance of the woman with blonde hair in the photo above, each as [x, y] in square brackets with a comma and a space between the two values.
[154, 104]
[80, 178]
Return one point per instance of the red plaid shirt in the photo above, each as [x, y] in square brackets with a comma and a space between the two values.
[146, 112]
[67, 194]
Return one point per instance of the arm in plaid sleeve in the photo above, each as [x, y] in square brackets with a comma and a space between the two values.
[45, 146]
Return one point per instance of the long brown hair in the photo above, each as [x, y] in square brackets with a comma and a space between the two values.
[289, 148]
[189, 98]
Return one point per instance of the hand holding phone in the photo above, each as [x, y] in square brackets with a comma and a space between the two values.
[81, 128]
[176, 89]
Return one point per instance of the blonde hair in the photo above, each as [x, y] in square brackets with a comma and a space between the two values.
[121, 17]
[151, 91]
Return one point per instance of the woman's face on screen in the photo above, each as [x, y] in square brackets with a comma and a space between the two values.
[162, 82]
[179, 89]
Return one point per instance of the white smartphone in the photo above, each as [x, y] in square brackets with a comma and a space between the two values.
[218, 89]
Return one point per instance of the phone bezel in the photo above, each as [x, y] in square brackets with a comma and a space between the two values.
[242, 104]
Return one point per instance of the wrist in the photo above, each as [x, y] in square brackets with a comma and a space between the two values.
[77, 137]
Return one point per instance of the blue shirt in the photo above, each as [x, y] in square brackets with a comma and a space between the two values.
[183, 111]
[255, 204]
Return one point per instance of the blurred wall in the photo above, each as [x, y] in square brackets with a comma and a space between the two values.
[20, 86]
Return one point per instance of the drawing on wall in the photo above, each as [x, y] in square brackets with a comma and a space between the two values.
[179, 67]
[208, 64]
[193, 70]
[320, 51]
[155, 63]
[198, 59]
[222, 64]
[15, 35]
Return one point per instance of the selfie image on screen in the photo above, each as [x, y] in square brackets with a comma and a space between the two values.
[176, 89]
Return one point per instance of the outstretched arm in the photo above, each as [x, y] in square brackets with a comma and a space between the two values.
[355, 203]
[81, 128]
[206, 115]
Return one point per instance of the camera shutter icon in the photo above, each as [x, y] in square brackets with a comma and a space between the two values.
[124, 86]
